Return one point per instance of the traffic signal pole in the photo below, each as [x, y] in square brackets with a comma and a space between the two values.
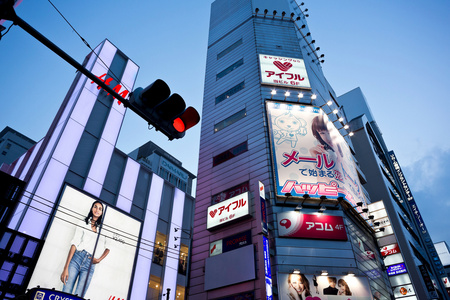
[7, 12]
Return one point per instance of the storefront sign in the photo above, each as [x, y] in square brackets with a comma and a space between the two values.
[299, 225]
[236, 241]
[396, 269]
[390, 249]
[404, 290]
[262, 199]
[227, 211]
[283, 71]
[267, 270]
[47, 294]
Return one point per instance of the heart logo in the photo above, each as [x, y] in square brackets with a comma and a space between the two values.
[213, 213]
[282, 66]
[312, 298]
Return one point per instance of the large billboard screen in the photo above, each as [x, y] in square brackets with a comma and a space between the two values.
[298, 225]
[283, 71]
[305, 286]
[310, 155]
[94, 260]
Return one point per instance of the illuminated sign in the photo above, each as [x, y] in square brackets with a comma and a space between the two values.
[228, 210]
[116, 88]
[267, 270]
[262, 199]
[283, 71]
[407, 190]
[230, 243]
[307, 162]
[47, 294]
[315, 287]
[390, 249]
[107, 249]
[404, 290]
[298, 225]
[396, 269]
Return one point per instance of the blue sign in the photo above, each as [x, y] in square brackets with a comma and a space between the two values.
[48, 294]
[264, 226]
[396, 269]
[268, 272]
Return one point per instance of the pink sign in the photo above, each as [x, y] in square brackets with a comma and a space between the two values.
[299, 225]
[390, 249]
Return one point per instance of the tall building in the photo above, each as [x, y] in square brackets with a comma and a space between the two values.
[12, 145]
[282, 210]
[404, 228]
[275, 208]
[137, 243]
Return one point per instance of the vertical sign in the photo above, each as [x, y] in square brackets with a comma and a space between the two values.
[262, 199]
[267, 269]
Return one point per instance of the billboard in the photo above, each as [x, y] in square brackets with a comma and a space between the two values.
[396, 269]
[283, 71]
[299, 225]
[312, 287]
[310, 156]
[230, 243]
[227, 211]
[94, 260]
[389, 250]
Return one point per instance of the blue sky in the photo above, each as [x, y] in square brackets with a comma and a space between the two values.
[396, 51]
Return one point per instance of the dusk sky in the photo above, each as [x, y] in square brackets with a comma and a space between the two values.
[396, 51]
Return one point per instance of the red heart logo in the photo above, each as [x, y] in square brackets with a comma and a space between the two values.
[213, 213]
[282, 66]
[312, 298]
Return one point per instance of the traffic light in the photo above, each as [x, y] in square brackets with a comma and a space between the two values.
[166, 112]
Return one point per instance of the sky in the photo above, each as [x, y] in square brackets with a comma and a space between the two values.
[395, 51]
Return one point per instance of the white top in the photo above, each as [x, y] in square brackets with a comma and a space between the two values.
[85, 237]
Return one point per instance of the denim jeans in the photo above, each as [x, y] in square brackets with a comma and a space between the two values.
[78, 268]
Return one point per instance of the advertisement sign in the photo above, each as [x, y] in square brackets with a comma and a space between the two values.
[396, 269]
[230, 243]
[404, 290]
[407, 190]
[231, 192]
[389, 250]
[283, 71]
[227, 211]
[48, 294]
[262, 199]
[313, 287]
[93, 260]
[267, 270]
[310, 155]
[215, 248]
[426, 278]
[299, 225]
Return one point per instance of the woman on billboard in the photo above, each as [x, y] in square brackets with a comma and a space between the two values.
[343, 288]
[78, 263]
[327, 144]
[298, 287]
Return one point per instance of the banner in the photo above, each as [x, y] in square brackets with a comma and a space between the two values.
[94, 260]
[299, 225]
[312, 287]
[310, 155]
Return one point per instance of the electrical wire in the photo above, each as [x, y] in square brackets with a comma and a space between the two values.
[90, 48]
[132, 238]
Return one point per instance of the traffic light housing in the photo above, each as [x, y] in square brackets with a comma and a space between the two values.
[166, 112]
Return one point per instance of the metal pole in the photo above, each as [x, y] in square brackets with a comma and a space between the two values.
[9, 14]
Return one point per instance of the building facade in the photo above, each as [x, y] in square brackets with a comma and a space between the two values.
[404, 229]
[139, 236]
[278, 214]
[12, 145]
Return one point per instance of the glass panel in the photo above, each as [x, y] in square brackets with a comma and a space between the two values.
[183, 260]
[180, 292]
[160, 248]
[154, 288]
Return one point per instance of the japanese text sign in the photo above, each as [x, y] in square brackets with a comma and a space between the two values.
[228, 210]
[396, 269]
[310, 155]
[299, 225]
[389, 249]
[284, 71]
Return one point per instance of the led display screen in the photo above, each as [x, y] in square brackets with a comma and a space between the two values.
[94, 260]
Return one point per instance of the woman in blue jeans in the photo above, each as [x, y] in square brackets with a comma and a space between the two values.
[80, 253]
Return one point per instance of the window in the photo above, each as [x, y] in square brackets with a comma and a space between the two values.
[230, 92]
[160, 248]
[230, 120]
[183, 259]
[230, 153]
[154, 287]
[230, 69]
[180, 292]
[229, 49]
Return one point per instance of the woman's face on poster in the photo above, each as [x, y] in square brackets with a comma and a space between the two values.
[97, 210]
[326, 137]
[295, 282]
